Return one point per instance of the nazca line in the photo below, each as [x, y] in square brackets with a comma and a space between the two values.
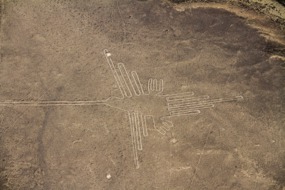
[179, 104]
[52, 103]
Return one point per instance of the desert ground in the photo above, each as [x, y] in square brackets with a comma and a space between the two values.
[140, 95]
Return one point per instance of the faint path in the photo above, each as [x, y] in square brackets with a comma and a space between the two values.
[41, 147]
[200, 156]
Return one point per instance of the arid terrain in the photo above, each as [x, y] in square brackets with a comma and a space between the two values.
[140, 95]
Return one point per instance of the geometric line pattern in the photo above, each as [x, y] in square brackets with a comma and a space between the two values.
[145, 105]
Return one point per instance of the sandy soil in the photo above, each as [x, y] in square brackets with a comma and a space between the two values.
[62, 128]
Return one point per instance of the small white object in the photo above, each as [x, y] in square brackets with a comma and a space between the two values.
[108, 176]
[173, 140]
[108, 54]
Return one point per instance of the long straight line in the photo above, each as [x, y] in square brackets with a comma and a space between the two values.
[203, 102]
[114, 72]
[51, 103]
[186, 99]
[133, 136]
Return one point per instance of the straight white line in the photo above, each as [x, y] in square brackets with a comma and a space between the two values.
[135, 154]
[139, 82]
[113, 70]
[138, 131]
[186, 98]
[137, 91]
[191, 107]
[138, 86]
[203, 102]
[125, 86]
[161, 131]
[154, 84]
[127, 74]
[51, 103]
[161, 83]
[123, 72]
[143, 119]
[200, 104]
[185, 114]
[124, 110]
[149, 85]
[182, 104]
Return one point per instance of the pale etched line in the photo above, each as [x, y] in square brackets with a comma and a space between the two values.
[205, 102]
[124, 110]
[51, 103]
[138, 131]
[149, 85]
[114, 72]
[134, 141]
[137, 79]
[190, 110]
[186, 98]
[125, 86]
[161, 83]
[185, 114]
[113, 162]
[168, 125]
[236, 98]
[164, 128]
[187, 101]
[179, 105]
[191, 106]
[134, 75]
[200, 156]
[196, 102]
[154, 85]
[161, 131]
[178, 169]
[144, 125]
[118, 78]
[133, 136]
[188, 106]
[123, 71]
[121, 65]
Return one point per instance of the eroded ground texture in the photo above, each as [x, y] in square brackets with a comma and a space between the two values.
[62, 127]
